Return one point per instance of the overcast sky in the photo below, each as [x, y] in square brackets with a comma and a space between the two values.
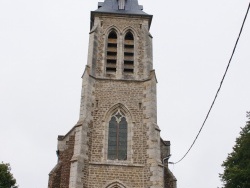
[43, 52]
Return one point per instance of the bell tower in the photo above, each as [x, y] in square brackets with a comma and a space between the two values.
[116, 141]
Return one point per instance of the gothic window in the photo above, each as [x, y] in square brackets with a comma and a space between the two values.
[117, 137]
[111, 52]
[129, 53]
[116, 185]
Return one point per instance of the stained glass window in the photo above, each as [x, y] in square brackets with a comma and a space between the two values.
[117, 137]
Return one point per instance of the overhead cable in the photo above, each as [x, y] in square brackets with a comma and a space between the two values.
[218, 88]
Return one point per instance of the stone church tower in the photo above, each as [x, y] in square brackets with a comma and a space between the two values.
[116, 142]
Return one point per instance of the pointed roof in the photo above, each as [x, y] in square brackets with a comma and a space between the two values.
[112, 6]
[117, 7]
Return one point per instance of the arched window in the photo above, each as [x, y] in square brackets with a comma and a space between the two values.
[116, 184]
[129, 53]
[117, 137]
[111, 52]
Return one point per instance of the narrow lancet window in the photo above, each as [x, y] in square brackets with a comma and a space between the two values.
[111, 53]
[117, 137]
[129, 53]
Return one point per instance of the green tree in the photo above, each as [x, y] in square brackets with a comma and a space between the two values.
[237, 165]
[6, 178]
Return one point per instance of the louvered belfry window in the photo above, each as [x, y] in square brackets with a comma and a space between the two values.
[117, 137]
[111, 52]
[129, 53]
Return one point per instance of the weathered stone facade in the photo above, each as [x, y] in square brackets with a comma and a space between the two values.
[83, 160]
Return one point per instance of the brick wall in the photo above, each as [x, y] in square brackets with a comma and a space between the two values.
[170, 180]
[59, 176]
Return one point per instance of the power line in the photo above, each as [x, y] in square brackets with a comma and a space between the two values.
[218, 88]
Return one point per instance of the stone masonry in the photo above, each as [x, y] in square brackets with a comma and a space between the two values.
[83, 152]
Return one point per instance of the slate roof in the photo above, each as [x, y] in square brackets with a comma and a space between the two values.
[131, 8]
[111, 6]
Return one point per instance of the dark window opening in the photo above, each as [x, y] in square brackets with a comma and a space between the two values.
[112, 35]
[128, 62]
[111, 55]
[128, 53]
[129, 70]
[111, 61]
[117, 138]
[112, 45]
[128, 46]
[109, 69]
[129, 36]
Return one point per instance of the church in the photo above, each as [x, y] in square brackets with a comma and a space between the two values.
[116, 142]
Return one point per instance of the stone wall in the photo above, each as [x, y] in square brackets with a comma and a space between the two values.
[170, 180]
[110, 93]
[143, 46]
[143, 166]
[59, 176]
[129, 176]
[83, 161]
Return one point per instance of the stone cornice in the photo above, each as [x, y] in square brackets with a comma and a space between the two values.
[116, 164]
[127, 80]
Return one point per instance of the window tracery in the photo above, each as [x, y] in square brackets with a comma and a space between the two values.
[117, 137]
